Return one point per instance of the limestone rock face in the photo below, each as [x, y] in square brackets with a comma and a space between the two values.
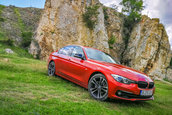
[62, 24]
[148, 49]
[115, 29]
[169, 74]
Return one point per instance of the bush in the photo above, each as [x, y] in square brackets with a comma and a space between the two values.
[111, 41]
[90, 16]
[26, 39]
[105, 13]
[2, 19]
[8, 42]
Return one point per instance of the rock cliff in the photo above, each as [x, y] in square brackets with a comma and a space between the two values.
[148, 49]
[62, 24]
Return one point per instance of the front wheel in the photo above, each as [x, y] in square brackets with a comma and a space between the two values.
[51, 68]
[98, 87]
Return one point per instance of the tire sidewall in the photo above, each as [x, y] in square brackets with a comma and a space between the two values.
[89, 85]
[54, 68]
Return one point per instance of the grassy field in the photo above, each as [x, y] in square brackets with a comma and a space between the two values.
[25, 88]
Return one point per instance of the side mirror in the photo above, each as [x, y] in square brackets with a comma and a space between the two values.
[80, 56]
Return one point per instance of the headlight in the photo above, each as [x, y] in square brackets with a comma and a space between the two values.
[122, 79]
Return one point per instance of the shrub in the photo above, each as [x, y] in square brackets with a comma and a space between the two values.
[111, 41]
[10, 42]
[26, 39]
[105, 13]
[133, 8]
[2, 19]
[90, 16]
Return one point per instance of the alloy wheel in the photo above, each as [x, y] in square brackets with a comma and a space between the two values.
[51, 69]
[98, 87]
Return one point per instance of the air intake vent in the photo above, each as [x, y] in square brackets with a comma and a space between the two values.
[151, 85]
[142, 84]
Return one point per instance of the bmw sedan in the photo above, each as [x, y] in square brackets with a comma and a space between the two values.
[100, 74]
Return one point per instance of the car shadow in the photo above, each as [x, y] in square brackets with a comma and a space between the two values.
[128, 103]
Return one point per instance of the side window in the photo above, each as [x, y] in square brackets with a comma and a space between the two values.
[60, 51]
[77, 50]
[66, 50]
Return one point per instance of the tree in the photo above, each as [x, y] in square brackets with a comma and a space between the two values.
[133, 8]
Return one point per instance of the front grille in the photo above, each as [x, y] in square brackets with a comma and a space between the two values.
[129, 95]
[142, 84]
[151, 85]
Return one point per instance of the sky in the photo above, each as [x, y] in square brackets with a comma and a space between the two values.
[153, 8]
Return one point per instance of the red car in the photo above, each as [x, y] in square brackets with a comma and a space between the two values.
[100, 74]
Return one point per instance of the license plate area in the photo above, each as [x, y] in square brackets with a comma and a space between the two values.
[146, 92]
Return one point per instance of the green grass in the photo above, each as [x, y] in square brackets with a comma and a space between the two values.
[25, 88]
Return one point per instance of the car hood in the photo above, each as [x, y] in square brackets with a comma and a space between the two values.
[126, 72]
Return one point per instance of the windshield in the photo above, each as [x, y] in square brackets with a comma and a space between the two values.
[98, 55]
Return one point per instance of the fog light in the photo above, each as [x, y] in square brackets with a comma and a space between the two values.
[119, 93]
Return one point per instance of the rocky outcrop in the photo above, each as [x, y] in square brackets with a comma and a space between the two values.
[148, 49]
[14, 21]
[169, 74]
[114, 25]
[62, 24]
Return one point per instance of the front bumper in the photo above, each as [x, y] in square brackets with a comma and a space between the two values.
[127, 92]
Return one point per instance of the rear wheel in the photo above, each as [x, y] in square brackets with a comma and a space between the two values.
[51, 68]
[98, 87]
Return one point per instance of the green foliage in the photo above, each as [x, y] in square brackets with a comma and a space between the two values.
[90, 16]
[10, 42]
[171, 62]
[20, 21]
[1, 8]
[26, 35]
[1, 18]
[133, 9]
[18, 51]
[105, 13]
[26, 39]
[1, 35]
[111, 41]
[7, 42]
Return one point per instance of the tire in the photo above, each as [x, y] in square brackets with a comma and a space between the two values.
[51, 69]
[98, 87]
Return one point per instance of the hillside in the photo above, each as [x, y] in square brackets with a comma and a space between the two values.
[25, 88]
[18, 25]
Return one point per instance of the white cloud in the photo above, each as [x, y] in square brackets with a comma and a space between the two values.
[154, 9]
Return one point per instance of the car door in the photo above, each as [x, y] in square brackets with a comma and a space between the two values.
[78, 67]
[62, 63]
